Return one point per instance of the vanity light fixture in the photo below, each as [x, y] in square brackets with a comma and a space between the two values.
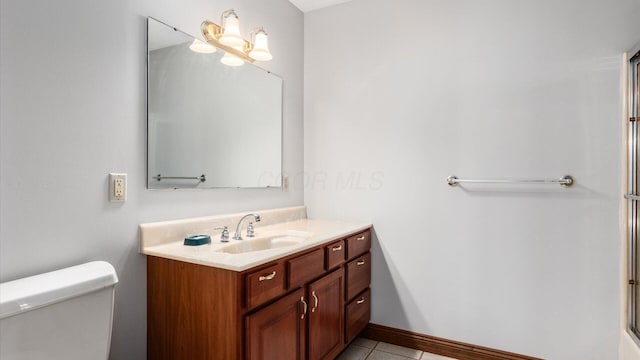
[260, 45]
[202, 47]
[231, 60]
[228, 38]
[231, 29]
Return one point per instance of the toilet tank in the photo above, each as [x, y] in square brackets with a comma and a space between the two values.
[64, 314]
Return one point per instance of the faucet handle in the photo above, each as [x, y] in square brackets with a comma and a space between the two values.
[250, 230]
[224, 236]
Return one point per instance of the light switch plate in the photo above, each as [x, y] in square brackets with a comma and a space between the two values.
[117, 187]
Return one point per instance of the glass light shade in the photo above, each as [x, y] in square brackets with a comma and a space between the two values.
[231, 31]
[260, 50]
[231, 60]
[201, 47]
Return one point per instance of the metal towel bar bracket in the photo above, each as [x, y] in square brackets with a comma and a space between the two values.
[201, 178]
[564, 181]
[632, 197]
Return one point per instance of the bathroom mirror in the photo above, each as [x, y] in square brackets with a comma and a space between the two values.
[209, 125]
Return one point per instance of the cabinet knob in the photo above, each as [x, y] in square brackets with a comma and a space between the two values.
[360, 238]
[360, 301]
[267, 277]
[337, 248]
[360, 262]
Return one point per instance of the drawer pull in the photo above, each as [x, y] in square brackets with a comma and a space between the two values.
[337, 248]
[315, 298]
[360, 301]
[305, 307]
[267, 277]
[360, 238]
[360, 262]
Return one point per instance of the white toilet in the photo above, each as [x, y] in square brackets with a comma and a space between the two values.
[60, 315]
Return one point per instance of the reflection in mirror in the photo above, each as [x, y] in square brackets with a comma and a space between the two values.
[209, 125]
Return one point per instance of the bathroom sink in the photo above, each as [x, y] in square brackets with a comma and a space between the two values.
[288, 238]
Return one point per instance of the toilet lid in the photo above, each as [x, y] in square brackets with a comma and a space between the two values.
[36, 291]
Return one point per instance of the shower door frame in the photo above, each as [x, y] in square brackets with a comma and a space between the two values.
[633, 188]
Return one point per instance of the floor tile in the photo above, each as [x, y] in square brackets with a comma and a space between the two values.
[381, 355]
[364, 342]
[429, 356]
[399, 350]
[354, 352]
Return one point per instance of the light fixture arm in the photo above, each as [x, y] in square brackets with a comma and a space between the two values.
[227, 13]
[211, 31]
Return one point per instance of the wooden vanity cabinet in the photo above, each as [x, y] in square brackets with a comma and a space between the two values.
[307, 305]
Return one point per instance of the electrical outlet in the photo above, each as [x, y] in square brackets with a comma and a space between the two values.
[117, 187]
[285, 182]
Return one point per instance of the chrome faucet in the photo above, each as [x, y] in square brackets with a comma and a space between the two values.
[237, 235]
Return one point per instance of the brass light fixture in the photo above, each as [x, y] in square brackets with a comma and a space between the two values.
[202, 47]
[231, 29]
[232, 60]
[260, 45]
[228, 38]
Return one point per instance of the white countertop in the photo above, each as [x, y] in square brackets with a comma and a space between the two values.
[322, 231]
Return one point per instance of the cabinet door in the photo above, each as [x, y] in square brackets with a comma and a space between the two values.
[326, 316]
[278, 331]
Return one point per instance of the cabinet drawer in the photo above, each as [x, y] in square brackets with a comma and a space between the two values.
[357, 314]
[335, 254]
[265, 284]
[306, 267]
[358, 275]
[358, 244]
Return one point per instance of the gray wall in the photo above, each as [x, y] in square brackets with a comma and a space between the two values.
[412, 91]
[73, 109]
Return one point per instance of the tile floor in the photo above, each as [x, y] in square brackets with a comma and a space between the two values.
[362, 349]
